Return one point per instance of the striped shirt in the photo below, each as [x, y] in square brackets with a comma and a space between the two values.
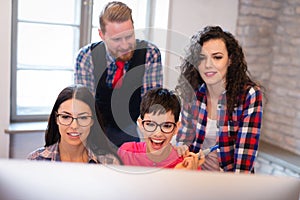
[237, 137]
[84, 69]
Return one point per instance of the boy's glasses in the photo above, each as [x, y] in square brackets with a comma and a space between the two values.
[165, 127]
[66, 120]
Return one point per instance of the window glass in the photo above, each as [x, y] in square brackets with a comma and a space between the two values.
[53, 45]
[54, 11]
[38, 89]
[47, 40]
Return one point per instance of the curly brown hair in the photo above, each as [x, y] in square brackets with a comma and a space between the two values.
[237, 77]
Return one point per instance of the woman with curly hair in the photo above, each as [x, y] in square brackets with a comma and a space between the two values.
[221, 104]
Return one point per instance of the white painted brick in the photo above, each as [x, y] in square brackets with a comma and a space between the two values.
[277, 167]
[291, 173]
[269, 30]
[279, 173]
[262, 161]
[265, 169]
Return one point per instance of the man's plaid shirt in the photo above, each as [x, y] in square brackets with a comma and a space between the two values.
[84, 69]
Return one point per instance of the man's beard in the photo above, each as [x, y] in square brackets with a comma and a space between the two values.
[126, 57]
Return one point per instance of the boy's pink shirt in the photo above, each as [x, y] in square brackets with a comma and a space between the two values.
[134, 153]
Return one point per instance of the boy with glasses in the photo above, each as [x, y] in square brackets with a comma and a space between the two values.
[158, 122]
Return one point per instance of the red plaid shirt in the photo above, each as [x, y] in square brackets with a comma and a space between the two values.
[237, 138]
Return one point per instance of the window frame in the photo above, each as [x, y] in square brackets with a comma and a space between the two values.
[85, 37]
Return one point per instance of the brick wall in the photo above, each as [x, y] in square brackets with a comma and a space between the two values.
[269, 31]
[266, 164]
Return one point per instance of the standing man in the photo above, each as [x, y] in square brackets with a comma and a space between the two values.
[119, 70]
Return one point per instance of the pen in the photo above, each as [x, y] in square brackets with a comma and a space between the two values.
[208, 150]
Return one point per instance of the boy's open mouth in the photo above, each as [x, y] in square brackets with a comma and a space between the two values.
[157, 143]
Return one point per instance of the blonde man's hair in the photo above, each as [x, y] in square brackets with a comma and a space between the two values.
[114, 11]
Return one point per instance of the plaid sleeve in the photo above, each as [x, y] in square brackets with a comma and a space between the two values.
[249, 132]
[153, 69]
[84, 69]
[35, 155]
[187, 132]
[49, 153]
[109, 159]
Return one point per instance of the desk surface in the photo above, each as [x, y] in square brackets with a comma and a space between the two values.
[22, 179]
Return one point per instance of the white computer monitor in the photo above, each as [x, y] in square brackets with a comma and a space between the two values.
[21, 179]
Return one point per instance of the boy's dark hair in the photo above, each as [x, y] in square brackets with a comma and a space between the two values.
[160, 101]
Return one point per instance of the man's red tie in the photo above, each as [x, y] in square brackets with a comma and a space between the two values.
[117, 82]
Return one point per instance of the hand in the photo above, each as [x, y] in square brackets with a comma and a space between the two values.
[201, 157]
[190, 162]
[182, 150]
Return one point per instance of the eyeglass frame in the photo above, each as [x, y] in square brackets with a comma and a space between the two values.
[159, 125]
[57, 116]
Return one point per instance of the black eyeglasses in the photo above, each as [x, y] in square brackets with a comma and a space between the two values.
[165, 127]
[66, 120]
